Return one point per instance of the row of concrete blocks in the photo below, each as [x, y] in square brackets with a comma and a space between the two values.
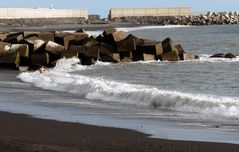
[31, 49]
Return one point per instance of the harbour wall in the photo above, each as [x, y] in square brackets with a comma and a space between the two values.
[42, 13]
[131, 12]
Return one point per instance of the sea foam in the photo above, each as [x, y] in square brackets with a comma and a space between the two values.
[64, 78]
[128, 29]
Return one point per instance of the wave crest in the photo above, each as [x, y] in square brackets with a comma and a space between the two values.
[61, 79]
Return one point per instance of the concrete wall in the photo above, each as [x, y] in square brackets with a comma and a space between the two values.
[42, 13]
[171, 11]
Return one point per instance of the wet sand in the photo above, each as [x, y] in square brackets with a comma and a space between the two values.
[22, 133]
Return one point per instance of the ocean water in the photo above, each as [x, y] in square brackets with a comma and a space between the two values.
[191, 100]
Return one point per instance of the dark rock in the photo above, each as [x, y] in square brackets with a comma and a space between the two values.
[218, 55]
[230, 55]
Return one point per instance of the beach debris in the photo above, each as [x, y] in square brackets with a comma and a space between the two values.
[24, 50]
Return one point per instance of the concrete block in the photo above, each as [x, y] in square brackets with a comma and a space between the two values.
[79, 49]
[67, 39]
[113, 57]
[63, 39]
[138, 41]
[152, 48]
[116, 57]
[35, 44]
[27, 34]
[179, 49]
[53, 57]
[90, 42]
[138, 55]
[126, 45]
[80, 36]
[114, 37]
[3, 36]
[188, 57]
[4, 47]
[100, 38]
[126, 55]
[80, 31]
[106, 48]
[168, 45]
[10, 59]
[23, 49]
[148, 57]
[130, 43]
[23, 68]
[109, 31]
[68, 54]
[93, 52]
[148, 41]
[40, 59]
[170, 56]
[46, 36]
[126, 59]
[14, 38]
[54, 47]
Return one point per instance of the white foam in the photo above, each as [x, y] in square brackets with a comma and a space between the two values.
[100, 89]
[206, 58]
[128, 29]
[94, 33]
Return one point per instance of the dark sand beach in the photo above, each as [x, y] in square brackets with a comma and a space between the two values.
[21, 133]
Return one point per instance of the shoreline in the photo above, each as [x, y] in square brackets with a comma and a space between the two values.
[24, 133]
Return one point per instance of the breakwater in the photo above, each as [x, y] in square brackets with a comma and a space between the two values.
[24, 50]
[210, 18]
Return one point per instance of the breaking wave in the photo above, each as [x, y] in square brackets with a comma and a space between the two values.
[61, 78]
